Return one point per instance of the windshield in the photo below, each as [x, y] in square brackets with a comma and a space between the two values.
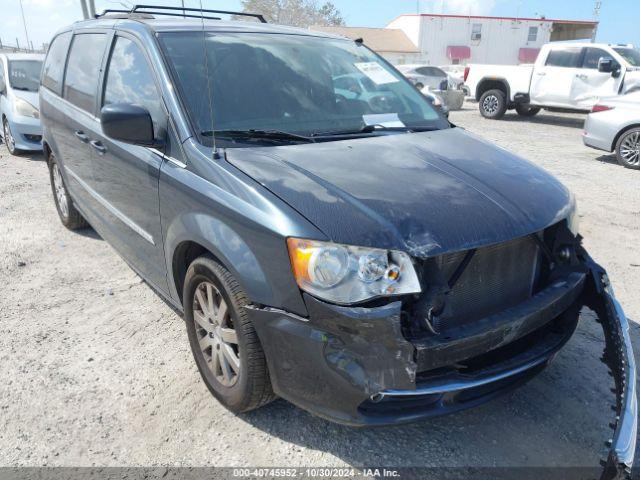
[290, 83]
[631, 55]
[25, 74]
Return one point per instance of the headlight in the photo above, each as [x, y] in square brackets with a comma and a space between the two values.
[24, 108]
[344, 274]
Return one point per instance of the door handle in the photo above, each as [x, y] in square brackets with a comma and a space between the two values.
[541, 74]
[98, 147]
[581, 76]
[81, 136]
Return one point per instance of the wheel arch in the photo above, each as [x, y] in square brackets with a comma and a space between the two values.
[622, 132]
[487, 84]
[195, 234]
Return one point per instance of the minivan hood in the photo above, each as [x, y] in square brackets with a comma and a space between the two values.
[425, 193]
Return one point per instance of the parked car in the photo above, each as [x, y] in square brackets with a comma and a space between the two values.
[19, 82]
[614, 126]
[370, 267]
[436, 101]
[425, 76]
[455, 75]
[566, 76]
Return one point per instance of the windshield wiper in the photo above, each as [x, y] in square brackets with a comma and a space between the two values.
[275, 135]
[365, 129]
[372, 129]
[24, 89]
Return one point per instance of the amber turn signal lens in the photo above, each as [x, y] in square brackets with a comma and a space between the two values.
[300, 252]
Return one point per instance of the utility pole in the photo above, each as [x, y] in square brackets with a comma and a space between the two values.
[596, 17]
[24, 24]
[85, 12]
[92, 8]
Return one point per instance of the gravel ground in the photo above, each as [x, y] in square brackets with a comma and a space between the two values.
[96, 371]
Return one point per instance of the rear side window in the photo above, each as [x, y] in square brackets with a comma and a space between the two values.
[567, 57]
[130, 80]
[54, 64]
[83, 69]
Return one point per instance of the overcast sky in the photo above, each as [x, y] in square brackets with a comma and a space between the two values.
[618, 18]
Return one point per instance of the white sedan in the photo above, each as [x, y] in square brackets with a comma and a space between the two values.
[614, 125]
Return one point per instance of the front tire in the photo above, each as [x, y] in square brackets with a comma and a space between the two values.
[527, 110]
[628, 149]
[9, 140]
[69, 215]
[223, 340]
[493, 104]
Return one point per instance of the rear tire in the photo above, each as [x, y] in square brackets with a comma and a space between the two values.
[628, 149]
[527, 110]
[493, 104]
[69, 215]
[223, 341]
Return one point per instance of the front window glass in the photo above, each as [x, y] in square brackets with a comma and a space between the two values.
[25, 74]
[631, 55]
[130, 80]
[592, 57]
[292, 83]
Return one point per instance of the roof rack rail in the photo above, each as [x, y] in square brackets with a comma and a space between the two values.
[179, 12]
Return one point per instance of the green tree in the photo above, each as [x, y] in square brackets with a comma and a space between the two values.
[298, 13]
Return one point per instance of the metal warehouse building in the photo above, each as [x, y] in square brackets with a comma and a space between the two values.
[462, 39]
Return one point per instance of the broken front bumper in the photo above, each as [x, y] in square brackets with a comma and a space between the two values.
[618, 356]
[354, 366]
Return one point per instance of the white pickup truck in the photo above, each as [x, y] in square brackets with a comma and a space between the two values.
[565, 77]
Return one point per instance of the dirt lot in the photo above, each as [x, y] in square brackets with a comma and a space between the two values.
[95, 369]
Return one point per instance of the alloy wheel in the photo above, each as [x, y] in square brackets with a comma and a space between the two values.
[61, 193]
[630, 149]
[8, 137]
[217, 336]
[490, 104]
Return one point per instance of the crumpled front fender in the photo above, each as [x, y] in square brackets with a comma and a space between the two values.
[618, 356]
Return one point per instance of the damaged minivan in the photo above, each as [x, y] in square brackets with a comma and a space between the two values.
[350, 251]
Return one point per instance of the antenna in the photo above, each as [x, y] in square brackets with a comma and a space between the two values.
[216, 154]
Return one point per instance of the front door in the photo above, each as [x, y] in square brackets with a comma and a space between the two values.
[552, 82]
[589, 84]
[125, 176]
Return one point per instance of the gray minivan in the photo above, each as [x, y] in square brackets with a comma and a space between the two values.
[362, 258]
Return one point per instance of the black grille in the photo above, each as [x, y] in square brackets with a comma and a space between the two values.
[33, 138]
[497, 277]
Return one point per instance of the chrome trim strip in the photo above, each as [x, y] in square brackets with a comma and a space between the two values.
[126, 220]
[625, 445]
[175, 161]
[457, 385]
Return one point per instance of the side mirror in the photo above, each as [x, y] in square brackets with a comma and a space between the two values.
[3, 86]
[609, 65]
[605, 65]
[128, 123]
